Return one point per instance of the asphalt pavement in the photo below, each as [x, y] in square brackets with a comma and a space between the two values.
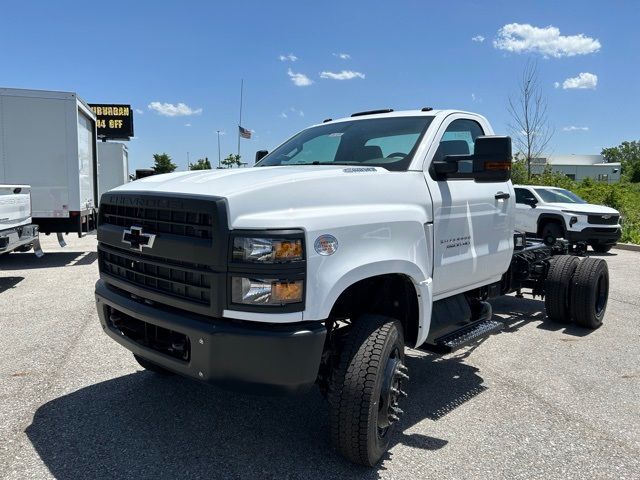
[539, 400]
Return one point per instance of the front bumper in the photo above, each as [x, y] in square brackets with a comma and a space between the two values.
[602, 235]
[17, 237]
[268, 358]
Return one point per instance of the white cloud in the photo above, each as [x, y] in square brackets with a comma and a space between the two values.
[478, 38]
[288, 58]
[171, 110]
[573, 128]
[556, 84]
[299, 79]
[547, 41]
[342, 56]
[584, 80]
[293, 111]
[139, 111]
[343, 75]
[475, 98]
[187, 124]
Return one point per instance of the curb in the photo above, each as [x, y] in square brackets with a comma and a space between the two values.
[627, 246]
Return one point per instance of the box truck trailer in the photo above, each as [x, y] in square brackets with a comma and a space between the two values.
[48, 141]
[113, 166]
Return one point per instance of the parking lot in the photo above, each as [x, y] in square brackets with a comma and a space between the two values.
[539, 400]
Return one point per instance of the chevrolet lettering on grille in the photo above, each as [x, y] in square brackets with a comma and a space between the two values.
[137, 239]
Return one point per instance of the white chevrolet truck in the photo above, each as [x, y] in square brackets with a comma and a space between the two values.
[352, 240]
[17, 233]
[552, 212]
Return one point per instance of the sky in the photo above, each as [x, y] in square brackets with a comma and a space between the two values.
[180, 64]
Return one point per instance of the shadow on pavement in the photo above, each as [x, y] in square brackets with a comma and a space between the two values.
[7, 283]
[516, 312]
[144, 425]
[28, 261]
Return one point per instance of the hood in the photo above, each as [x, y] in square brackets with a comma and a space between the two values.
[583, 208]
[288, 196]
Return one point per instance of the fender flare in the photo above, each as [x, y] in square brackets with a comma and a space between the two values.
[422, 283]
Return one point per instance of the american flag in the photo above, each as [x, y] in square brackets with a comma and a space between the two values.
[244, 133]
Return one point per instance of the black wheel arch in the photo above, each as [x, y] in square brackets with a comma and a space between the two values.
[546, 218]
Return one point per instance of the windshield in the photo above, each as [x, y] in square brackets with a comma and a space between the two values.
[379, 142]
[558, 195]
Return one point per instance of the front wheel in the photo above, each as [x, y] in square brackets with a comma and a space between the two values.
[601, 247]
[366, 388]
[552, 232]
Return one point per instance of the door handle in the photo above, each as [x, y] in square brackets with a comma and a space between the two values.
[502, 196]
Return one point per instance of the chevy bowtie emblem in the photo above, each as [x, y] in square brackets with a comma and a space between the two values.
[137, 239]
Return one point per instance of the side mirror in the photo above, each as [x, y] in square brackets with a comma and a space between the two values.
[492, 159]
[445, 167]
[532, 202]
[260, 154]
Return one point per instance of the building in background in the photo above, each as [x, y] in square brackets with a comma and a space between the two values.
[579, 167]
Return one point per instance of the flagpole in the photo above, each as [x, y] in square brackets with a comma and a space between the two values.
[240, 121]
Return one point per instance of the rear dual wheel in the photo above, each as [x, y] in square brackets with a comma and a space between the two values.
[577, 291]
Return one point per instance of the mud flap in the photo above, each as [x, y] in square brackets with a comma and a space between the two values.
[37, 249]
[61, 240]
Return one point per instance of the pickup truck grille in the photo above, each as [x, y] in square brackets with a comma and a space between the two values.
[603, 219]
[183, 266]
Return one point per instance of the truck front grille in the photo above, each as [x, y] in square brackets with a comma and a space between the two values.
[189, 282]
[603, 219]
[159, 220]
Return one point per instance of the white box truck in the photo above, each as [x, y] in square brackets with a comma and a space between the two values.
[48, 140]
[113, 166]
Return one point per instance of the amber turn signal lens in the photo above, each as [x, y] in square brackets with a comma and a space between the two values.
[287, 249]
[287, 292]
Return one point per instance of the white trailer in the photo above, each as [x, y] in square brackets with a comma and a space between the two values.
[48, 140]
[113, 166]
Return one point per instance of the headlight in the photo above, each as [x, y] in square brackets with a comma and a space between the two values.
[266, 291]
[267, 250]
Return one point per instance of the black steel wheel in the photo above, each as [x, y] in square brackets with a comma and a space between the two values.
[366, 389]
[590, 293]
[557, 288]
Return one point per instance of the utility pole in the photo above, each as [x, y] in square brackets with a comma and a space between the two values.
[240, 121]
[218, 132]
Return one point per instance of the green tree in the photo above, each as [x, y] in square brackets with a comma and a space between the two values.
[231, 161]
[163, 163]
[519, 173]
[201, 164]
[628, 154]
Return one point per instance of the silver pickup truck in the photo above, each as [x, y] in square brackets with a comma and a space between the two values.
[16, 230]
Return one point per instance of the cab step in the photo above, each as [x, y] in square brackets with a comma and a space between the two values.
[464, 336]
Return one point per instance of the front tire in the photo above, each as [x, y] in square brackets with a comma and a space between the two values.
[552, 232]
[366, 387]
[601, 248]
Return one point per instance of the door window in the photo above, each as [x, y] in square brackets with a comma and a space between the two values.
[459, 139]
[524, 196]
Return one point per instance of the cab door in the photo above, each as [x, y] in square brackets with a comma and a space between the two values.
[526, 215]
[473, 221]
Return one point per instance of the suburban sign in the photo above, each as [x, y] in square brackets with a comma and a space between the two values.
[113, 121]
